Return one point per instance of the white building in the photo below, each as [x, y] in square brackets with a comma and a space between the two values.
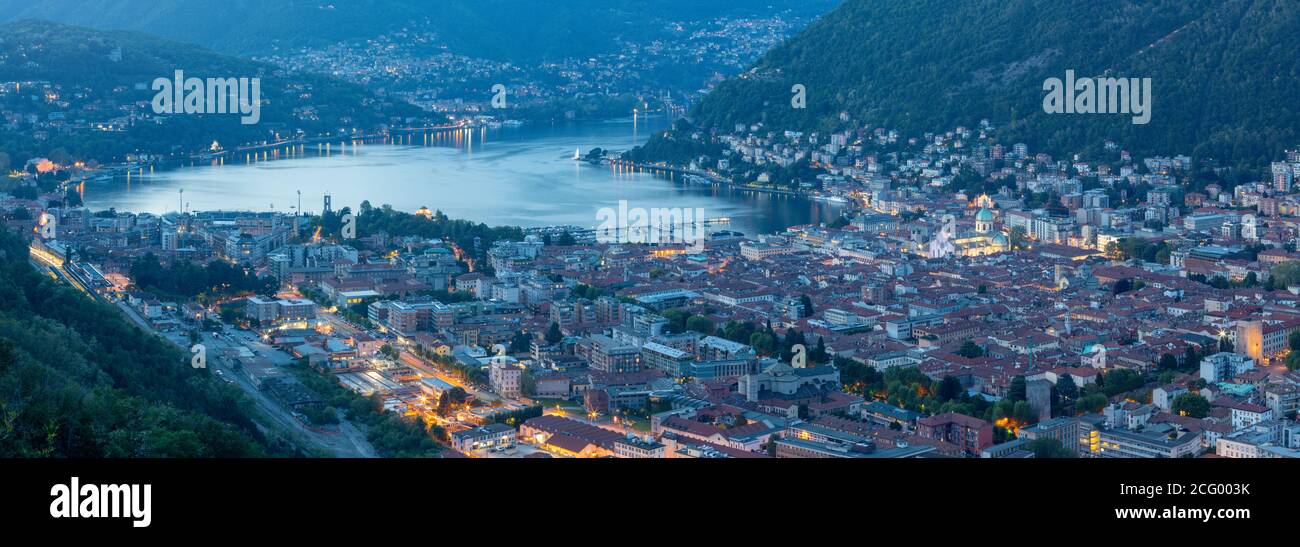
[1164, 396]
[1224, 366]
[1262, 442]
[506, 377]
[267, 310]
[1246, 415]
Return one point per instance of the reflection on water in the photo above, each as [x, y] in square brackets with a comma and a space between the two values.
[509, 176]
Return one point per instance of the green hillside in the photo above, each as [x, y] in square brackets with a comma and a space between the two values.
[78, 380]
[101, 75]
[510, 30]
[1224, 72]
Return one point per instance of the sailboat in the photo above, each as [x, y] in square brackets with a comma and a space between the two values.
[577, 154]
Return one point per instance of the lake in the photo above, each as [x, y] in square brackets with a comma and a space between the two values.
[522, 176]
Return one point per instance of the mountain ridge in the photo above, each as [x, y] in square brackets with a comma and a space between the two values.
[1222, 72]
[107, 74]
[512, 30]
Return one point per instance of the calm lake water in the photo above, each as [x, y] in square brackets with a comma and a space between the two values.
[510, 176]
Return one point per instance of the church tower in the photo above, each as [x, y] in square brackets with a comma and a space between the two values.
[984, 221]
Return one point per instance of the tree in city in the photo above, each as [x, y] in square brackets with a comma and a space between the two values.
[700, 324]
[1121, 380]
[1168, 361]
[1046, 448]
[819, 354]
[857, 377]
[184, 279]
[676, 320]
[1193, 359]
[1018, 239]
[1286, 274]
[970, 350]
[737, 331]
[1189, 404]
[949, 388]
[554, 334]
[450, 400]
[791, 339]
[1293, 356]
[527, 383]
[1093, 402]
[1024, 413]
[521, 342]
[1018, 390]
[1066, 387]
[585, 291]
[763, 342]
[771, 444]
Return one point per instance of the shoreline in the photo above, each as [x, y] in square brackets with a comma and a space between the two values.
[713, 179]
[392, 134]
[752, 213]
[390, 137]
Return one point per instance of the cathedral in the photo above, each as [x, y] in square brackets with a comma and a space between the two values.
[985, 240]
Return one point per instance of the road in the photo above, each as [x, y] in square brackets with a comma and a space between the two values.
[135, 317]
[347, 442]
[343, 328]
[271, 417]
[340, 327]
[430, 369]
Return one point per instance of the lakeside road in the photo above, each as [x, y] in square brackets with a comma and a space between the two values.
[657, 168]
